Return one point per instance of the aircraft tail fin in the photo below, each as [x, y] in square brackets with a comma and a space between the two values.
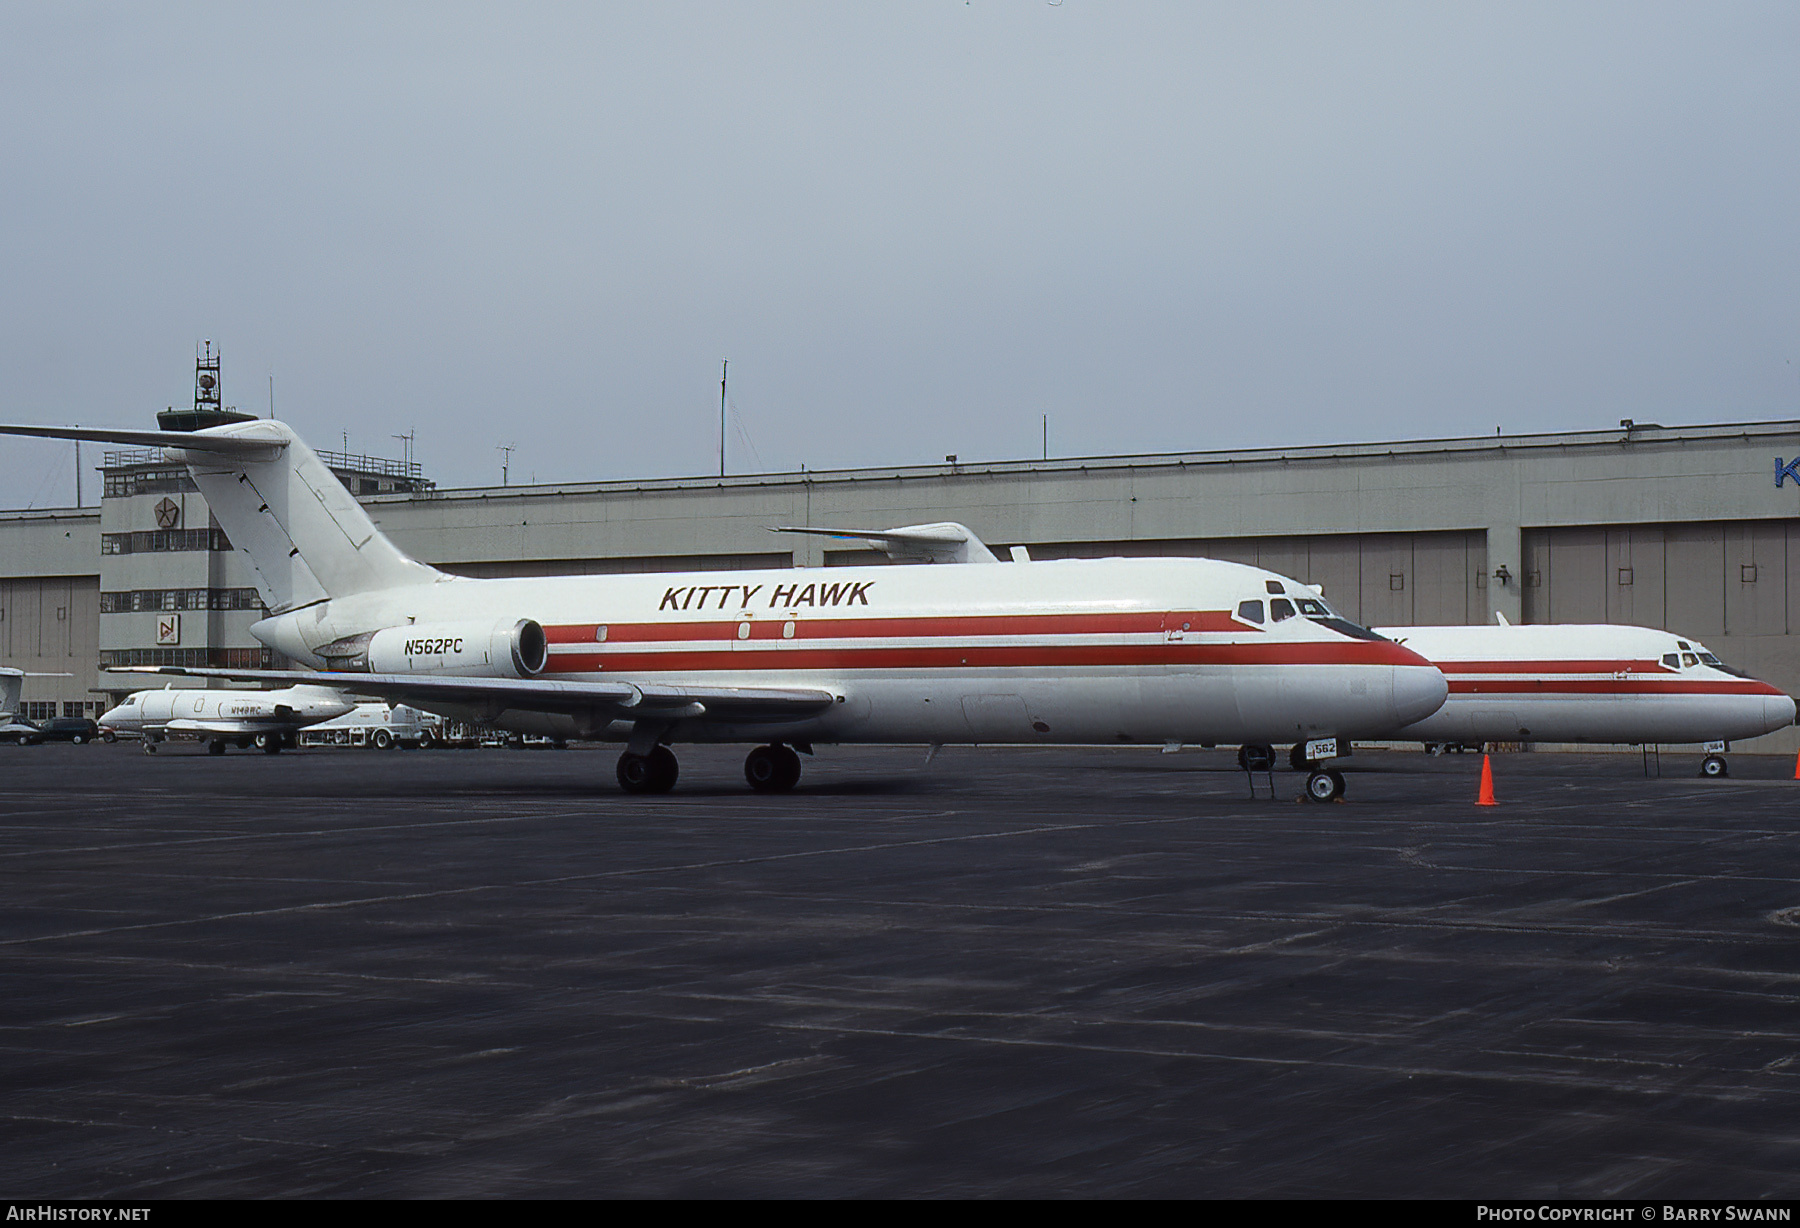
[12, 685]
[305, 535]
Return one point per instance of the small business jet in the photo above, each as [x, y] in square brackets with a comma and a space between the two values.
[267, 720]
[1116, 651]
[1589, 683]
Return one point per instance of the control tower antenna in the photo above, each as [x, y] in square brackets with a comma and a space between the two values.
[209, 402]
[724, 374]
[206, 380]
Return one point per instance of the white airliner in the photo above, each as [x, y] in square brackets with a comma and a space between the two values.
[1588, 683]
[1159, 651]
[266, 719]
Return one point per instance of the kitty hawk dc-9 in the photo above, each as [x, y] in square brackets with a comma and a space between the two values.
[1115, 651]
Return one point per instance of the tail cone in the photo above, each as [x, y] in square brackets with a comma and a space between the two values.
[1486, 796]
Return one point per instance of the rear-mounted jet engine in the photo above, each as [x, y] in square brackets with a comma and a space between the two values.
[510, 648]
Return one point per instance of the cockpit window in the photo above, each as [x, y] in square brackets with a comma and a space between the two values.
[1250, 611]
[1672, 660]
[1281, 608]
[1688, 658]
[1710, 659]
[1314, 609]
[1274, 586]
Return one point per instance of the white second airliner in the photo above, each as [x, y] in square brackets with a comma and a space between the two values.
[1159, 651]
[266, 719]
[1588, 683]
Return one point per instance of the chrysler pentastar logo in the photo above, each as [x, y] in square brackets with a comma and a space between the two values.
[168, 514]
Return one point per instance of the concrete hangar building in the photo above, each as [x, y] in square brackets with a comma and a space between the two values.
[1693, 529]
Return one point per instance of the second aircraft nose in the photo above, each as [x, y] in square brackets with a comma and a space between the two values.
[1778, 711]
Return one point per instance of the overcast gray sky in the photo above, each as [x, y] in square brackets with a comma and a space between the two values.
[913, 228]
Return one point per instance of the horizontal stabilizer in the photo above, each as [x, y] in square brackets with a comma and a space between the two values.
[944, 542]
[240, 444]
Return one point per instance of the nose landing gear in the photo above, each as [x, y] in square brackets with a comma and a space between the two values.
[1325, 786]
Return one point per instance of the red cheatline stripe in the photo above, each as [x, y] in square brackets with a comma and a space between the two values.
[1355, 652]
[1548, 667]
[1609, 686]
[770, 627]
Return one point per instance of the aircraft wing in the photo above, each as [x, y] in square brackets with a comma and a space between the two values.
[630, 700]
[944, 542]
[233, 728]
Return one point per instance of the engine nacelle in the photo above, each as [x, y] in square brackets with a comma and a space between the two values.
[510, 648]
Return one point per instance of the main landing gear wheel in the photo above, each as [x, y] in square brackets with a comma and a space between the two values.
[651, 773]
[270, 743]
[149, 746]
[1714, 765]
[1325, 786]
[772, 769]
[215, 747]
[1256, 758]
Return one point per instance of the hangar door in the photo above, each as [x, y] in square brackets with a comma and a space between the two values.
[1708, 579]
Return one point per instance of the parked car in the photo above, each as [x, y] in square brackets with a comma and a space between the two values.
[19, 731]
[76, 729]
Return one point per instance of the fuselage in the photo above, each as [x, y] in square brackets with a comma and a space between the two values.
[1075, 651]
[292, 708]
[1587, 683]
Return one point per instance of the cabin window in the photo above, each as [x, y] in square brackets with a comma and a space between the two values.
[1281, 608]
[1250, 611]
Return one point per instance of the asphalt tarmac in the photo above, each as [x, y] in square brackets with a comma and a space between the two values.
[1010, 973]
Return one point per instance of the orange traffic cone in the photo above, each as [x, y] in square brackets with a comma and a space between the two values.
[1797, 767]
[1486, 796]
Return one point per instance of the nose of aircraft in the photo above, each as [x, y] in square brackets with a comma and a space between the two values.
[1419, 689]
[109, 717]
